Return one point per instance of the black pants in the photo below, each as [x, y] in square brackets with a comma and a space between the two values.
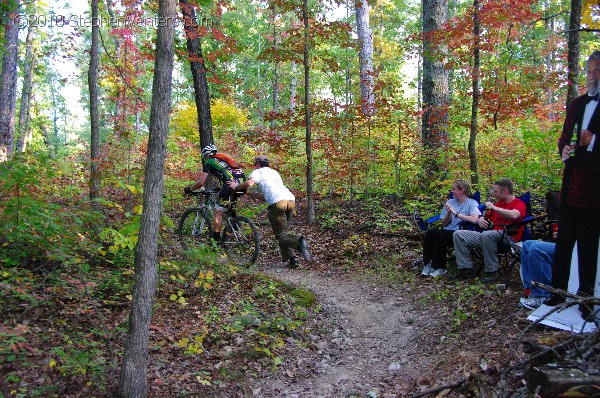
[581, 226]
[435, 247]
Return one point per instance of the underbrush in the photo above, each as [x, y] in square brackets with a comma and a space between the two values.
[213, 323]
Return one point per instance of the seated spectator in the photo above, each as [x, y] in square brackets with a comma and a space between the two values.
[507, 210]
[435, 244]
[537, 258]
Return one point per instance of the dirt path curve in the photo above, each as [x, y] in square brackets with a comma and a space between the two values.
[364, 348]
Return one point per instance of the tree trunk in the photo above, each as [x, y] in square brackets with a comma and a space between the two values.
[309, 159]
[293, 86]
[573, 51]
[435, 84]
[25, 107]
[8, 80]
[94, 115]
[276, 71]
[365, 57]
[201, 94]
[475, 103]
[133, 376]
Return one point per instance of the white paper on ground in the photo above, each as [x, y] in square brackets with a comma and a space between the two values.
[568, 319]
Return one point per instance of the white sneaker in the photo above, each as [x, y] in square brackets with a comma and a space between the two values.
[438, 272]
[532, 303]
[426, 270]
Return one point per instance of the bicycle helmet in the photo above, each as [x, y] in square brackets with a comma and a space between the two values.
[262, 160]
[208, 150]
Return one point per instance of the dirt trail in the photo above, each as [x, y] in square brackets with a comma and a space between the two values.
[363, 350]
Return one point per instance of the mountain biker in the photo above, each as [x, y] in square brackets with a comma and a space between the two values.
[226, 169]
[281, 207]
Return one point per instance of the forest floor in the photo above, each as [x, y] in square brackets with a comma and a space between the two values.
[389, 332]
[356, 321]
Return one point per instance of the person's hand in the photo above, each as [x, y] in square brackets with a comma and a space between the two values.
[489, 206]
[232, 184]
[586, 138]
[449, 208]
[187, 191]
[566, 152]
[482, 222]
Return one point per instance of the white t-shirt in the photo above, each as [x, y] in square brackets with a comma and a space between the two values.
[468, 207]
[270, 184]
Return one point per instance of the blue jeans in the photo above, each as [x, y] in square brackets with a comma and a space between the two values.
[536, 265]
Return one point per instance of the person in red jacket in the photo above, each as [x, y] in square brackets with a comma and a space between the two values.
[226, 169]
[579, 219]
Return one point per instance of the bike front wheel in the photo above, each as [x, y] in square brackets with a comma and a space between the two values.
[195, 228]
[241, 241]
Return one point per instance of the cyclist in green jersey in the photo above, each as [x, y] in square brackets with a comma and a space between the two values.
[225, 168]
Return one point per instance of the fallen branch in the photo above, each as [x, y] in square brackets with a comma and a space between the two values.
[456, 384]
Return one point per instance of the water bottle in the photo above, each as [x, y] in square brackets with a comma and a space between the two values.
[490, 223]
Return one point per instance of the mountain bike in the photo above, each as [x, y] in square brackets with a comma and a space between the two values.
[239, 237]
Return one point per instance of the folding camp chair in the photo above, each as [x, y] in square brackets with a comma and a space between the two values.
[552, 212]
[424, 224]
[509, 254]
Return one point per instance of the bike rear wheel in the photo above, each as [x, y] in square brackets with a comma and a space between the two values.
[241, 241]
[195, 228]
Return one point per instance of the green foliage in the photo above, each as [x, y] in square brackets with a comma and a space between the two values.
[35, 223]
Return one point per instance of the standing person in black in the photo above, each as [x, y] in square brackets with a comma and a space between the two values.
[579, 219]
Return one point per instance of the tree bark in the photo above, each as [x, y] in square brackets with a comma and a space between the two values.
[8, 80]
[553, 382]
[475, 103]
[133, 376]
[94, 115]
[435, 84]
[201, 93]
[309, 158]
[293, 85]
[276, 68]
[365, 57]
[26, 94]
[573, 51]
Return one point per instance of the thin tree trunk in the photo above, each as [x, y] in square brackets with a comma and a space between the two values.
[475, 103]
[8, 81]
[309, 159]
[365, 56]
[201, 94]
[276, 71]
[133, 377]
[293, 86]
[27, 91]
[94, 115]
[573, 51]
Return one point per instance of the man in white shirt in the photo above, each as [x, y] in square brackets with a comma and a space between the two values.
[282, 205]
[579, 219]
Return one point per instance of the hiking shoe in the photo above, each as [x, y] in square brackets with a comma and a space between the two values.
[490, 277]
[438, 272]
[426, 270]
[292, 263]
[465, 274]
[303, 246]
[532, 303]
[555, 300]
